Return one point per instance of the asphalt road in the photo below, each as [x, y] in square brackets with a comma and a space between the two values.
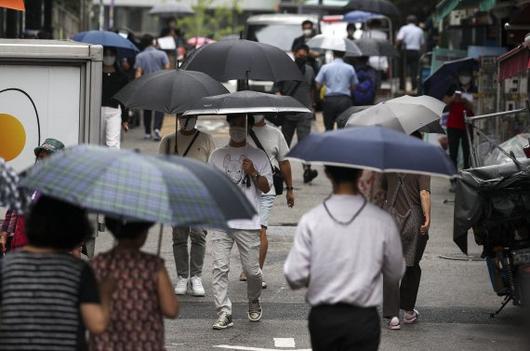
[455, 296]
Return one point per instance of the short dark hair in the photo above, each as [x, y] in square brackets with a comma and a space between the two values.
[350, 26]
[301, 47]
[233, 116]
[339, 54]
[121, 229]
[57, 224]
[307, 22]
[147, 40]
[344, 174]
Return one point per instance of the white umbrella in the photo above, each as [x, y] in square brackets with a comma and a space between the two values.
[406, 114]
[331, 42]
[171, 9]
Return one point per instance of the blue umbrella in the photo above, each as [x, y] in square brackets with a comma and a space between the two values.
[360, 16]
[107, 39]
[439, 82]
[374, 148]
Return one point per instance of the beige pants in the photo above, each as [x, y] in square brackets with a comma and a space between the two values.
[247, 242]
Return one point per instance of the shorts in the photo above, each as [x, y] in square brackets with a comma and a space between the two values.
[265, 207]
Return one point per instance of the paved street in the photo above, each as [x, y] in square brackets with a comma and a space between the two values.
[455, 296]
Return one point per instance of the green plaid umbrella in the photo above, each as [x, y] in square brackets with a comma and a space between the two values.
[10, 195]
[128, 185]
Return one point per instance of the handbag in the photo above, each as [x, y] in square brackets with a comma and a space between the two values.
[277, 178]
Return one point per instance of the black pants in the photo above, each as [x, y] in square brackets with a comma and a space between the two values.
[333, 107]
[410, 67]
[159, 119]
[455, 137]
[344, 327]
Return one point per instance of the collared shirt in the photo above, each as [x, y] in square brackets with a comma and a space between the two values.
[412, 36]
[345, 263]
[151, 60]
[339, 77]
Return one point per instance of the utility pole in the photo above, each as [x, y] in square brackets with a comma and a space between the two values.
[101, 15]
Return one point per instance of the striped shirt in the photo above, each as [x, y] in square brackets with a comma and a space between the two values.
[40, 297]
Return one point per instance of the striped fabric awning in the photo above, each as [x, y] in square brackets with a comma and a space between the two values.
[514, 62]
[13, 4]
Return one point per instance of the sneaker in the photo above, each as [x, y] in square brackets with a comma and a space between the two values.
[254, 311]
[157, 136]
[147, 136]
[394, 324]
[196, 286]
[182, 285]
[411, 317]
[263, 285]
[309, 175]
[224, 321]
[242, 277]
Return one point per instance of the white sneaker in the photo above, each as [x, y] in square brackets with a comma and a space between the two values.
[147, 136]
[182, 285]
[394, 324]
[196, 286]
[157, 136]
[411, 317]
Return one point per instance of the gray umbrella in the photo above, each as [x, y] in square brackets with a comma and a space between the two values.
[169, 91]
[332, 42]
[376, 47]
[406, 114]
[243, 59]
[171, 9]
[245, 101]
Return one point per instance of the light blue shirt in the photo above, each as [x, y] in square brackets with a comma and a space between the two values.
[151, 60]
[338, 78]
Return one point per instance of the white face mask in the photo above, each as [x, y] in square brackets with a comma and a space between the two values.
[238, 134]
[465, 80]
[259, 119]
[308, 32]
[188, 124]
[109, 60]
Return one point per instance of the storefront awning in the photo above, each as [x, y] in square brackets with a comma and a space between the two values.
[445, 7]
[514, 62]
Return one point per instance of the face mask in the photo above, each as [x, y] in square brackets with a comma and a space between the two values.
[308, 32]
[188, 124]
[109, 60]
[258, 119]
[238, 134]
[465, 80]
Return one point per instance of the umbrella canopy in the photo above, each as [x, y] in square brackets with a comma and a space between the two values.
[125, 184]
[376, 47]
[13, 4]
[406, 114]
[359, 16]
[245, 101]
[171, 9]
[374, 148]
[199, 41]
[383, 7]
[169, 91]
[10, 195]
[105, 38]
[331, 42]
[243, 59]
[438, 83]
[344, 117]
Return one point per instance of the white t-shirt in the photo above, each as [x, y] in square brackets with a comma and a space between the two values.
[200, 150]
[274, 144]
[412, 36]
[229, 160]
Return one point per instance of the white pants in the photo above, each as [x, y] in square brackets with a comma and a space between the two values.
[247, 242]
[111, 118]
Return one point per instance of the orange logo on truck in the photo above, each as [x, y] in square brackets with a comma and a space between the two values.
[12, 137]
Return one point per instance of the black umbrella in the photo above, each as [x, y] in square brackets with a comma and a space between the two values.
[169, 91]
[245, 101]
[383, 7]
[376, 47]
[243, 59]
[439, 82]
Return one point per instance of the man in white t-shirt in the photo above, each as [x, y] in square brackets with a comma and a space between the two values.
[272, 142]
[192, 143]
[411, 40]
[249, 169]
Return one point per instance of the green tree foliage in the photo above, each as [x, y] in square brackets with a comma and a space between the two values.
[219, 22]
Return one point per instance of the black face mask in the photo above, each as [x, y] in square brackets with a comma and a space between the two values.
[300, 61]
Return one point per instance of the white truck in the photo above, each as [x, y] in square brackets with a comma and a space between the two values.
[48, 89]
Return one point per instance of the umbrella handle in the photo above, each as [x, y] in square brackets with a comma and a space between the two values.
[160, 240]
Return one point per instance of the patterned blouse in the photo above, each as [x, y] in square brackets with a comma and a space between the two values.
[136, 320]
